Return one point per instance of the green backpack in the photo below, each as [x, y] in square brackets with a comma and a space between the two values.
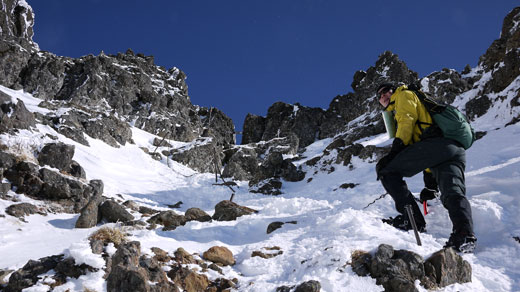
[453, 124]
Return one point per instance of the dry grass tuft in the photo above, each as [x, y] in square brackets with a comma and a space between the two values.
[109, 234]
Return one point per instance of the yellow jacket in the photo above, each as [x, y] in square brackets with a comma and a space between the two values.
[410, 114]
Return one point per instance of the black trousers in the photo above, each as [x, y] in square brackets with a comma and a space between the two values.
[447, 160]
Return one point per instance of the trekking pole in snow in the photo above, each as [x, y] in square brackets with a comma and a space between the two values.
[412, 221]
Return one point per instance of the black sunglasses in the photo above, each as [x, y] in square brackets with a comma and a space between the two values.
[383, 91]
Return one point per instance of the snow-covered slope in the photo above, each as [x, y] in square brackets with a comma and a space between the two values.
[331, 221]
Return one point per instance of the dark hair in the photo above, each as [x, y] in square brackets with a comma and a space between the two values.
[386, 87]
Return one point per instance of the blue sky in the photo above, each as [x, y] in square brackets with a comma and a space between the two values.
[241, 56]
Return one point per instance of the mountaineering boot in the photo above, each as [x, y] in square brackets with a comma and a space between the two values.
[401, 222]
[462, 242]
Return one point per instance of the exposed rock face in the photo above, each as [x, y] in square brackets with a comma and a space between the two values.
[45, 184]
[216, 124]
[282, 120]
[242, 165]
[14, 114]
[254, 128]
[498, 68]
[503, 57]
[202, 155]
[16, 45]
[445, 85]
[309, 124]
[103, 93]
[106, 92]
[16, 20]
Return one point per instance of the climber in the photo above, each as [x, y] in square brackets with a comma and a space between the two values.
[417, 147]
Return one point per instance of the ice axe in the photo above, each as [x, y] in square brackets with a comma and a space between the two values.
[412, 221]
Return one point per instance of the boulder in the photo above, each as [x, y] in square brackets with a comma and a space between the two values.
[396, 270]
[446, 267]
[270, 186]
[361, 261]
[219, 255]
[76, 170]
[89, 215]
[229, 211]
[153, 268]
[125, 273]
[57, 155]
[309, 286]
[183, 257]
[23, 209]
[113, 212]
[277, 225]
[188, 280]
[196, 214]
[160, 255]
[7, 160]
[169, 219]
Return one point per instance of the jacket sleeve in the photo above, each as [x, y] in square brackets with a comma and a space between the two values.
[406, 115]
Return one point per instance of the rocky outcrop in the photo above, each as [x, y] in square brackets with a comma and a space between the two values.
[254, 128]
[103, 94]
[242, 165]
[309, 124]
[14, 114]
[397, 270]
[497, 70]
[32, 272]
[70, 192]
[132, 272]
[16, 44]
[106, 92]
[445, 85]
[203, 155]
[16, 20]
[502, 58]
